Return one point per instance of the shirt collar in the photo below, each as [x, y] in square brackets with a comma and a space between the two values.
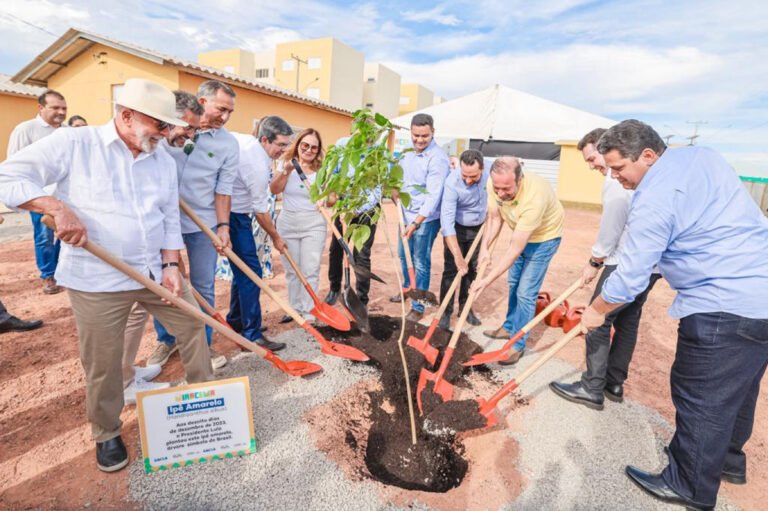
[653, 172]
[109, 136]
[41, 122]
[427, 150]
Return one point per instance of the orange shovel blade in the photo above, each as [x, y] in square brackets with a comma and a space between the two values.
[292, 367]
[335, 349]
[331, 317]
[440, 387]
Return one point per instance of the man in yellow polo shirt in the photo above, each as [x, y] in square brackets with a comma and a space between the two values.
[529, 205]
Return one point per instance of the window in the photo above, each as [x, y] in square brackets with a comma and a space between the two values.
[369, 105]
[405, 100]
[288, 65]
[229, 69]
[262, 73]
[372, 79]
[313, 62]
[313, 92]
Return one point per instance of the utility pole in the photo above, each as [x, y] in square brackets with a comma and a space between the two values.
[695, 135]
[299, 62]
[667, 138]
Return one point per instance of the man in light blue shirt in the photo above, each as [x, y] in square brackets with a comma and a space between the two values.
[462, 212]
[692, 216]
[426, 167]
[206, 176]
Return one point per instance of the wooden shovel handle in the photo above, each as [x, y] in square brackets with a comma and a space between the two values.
[406, 243]
[449, 295]
[234, 259]
[297, 270]
[552, 306]
[162, 292]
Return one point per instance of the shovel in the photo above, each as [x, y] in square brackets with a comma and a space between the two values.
[441, 387]
[321, 310]
[207, 307]
[420, 295]
[352, 301]
[326, 347]
[504, 353]
[360, 272]
[291, 367]
[422, 345]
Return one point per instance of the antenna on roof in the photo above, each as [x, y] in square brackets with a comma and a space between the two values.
[692, 138]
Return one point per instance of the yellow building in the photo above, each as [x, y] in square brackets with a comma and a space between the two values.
[234, 61]
[324, 69]
[89, 70]
[577, 184]
[414, 96]
[381, 90]
[18, 103]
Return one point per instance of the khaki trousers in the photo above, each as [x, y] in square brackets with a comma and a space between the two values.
[134, 331]
[101, 320]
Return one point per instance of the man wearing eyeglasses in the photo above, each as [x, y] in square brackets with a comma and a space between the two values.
[250, 195]
[206, 176]
[116, 188]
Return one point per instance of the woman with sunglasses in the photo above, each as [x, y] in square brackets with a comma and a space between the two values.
[300, 224]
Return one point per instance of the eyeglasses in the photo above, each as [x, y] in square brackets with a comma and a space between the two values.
[305, 146]
[159, 125]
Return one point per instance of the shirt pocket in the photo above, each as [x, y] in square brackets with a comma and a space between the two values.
[755, 330]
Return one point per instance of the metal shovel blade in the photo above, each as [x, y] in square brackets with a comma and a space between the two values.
[293, 367]
[331, 317]
[356, 308]
[441, 387]
[423, 346]
[495, 356]
[335, 349]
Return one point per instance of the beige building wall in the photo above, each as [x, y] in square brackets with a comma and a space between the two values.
[234, 60]
[577, 184]
[346, 69]
[381, 90]
[16, 109]
[437, 100]
[264, 66]
[414, 96]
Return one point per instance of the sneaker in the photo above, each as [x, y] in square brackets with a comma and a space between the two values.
[139, 385]
[217, 361]
[147, 373]
[395, 298]
[50, 287]
[161, 354]
[111, 455]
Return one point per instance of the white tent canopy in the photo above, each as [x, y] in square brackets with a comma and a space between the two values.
[500, 113]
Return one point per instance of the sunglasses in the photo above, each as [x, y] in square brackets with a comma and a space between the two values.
[159, 125]
[305, 146]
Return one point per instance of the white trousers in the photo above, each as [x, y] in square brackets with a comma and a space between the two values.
[304, 232]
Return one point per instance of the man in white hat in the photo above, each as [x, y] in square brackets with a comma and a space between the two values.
[116, 188]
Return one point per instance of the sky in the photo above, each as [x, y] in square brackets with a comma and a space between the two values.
[671, 64]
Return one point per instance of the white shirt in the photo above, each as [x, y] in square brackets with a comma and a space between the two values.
[129, 206]
[250, 191]
[296, 195]
[613, 223]
[29, 132]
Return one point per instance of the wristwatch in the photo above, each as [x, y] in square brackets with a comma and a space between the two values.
[595, 264]
[416, 225]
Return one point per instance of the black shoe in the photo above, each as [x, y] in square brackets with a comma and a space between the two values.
[578, 394]
[331, 297]
[655, 486]
[14, 324]
[727, 475]
[269, 345]
[395, 298]
[285, 319]
[111, 455]
[414, 315]
[445, 321]
[614, 392]
[472, 319]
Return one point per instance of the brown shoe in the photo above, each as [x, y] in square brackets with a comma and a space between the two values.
[414, 315]
[513, 358]
[499, 333]
[50, 287]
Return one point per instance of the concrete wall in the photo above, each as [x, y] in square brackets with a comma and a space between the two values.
[381, 88]
[87, 83]
[418, 97]
[346, 69]
[577, 183]
[319, 78]
[234, 60]
[15, 109]
[264, 60]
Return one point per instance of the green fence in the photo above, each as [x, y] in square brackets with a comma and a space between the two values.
[758, 189]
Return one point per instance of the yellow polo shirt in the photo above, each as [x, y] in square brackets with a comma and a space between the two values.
[535, 208]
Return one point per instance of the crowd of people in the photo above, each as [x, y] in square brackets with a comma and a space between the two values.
[676, 213]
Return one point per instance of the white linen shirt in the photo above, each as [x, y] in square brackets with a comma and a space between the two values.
[29, 132]
[129, 206]
[250, 191]
[613, 222]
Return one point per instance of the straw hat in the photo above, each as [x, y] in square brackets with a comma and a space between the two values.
[151, 99]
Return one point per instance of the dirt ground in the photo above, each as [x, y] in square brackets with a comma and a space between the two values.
[47, 458]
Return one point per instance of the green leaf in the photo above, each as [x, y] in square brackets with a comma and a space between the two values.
[405, 198]
[420, 188]
[381, 120]
[360, 234]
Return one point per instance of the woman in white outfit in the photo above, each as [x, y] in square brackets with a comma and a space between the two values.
[300, 224]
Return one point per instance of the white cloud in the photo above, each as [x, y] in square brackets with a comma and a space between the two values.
[435, 15]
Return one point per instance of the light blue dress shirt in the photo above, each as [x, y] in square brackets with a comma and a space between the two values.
[210, 168]
[692, 216]
[428, 169]
[462, 204]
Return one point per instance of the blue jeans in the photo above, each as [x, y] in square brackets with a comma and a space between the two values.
[244, 307]
[421, 243]
[715, 381]
[46, 247]
[202, 269]
[525, 278]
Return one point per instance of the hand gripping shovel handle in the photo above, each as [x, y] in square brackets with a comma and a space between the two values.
[503, 352]
[487, 407]
[190, 309]
[457, 279]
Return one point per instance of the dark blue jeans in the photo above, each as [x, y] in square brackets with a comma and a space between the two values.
[421, 243]
[244, 307]
[715, 381]
[525, 278]
[46, 247]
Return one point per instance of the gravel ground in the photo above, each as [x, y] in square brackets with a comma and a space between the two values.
[573, 458]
